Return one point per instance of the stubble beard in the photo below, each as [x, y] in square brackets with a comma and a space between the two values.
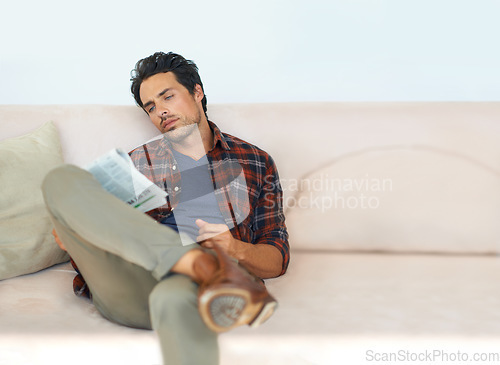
[181, 132]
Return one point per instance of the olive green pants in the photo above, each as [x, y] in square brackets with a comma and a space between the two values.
[125, 258]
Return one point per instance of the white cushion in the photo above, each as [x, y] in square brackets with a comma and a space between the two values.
[399, 199]
[26, 242]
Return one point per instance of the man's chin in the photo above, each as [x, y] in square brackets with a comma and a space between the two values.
[178, 134]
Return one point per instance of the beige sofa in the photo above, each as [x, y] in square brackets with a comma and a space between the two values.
[393, 211]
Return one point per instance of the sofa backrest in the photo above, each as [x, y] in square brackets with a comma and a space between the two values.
[357, 176]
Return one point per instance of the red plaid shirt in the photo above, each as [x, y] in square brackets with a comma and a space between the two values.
[246, 185]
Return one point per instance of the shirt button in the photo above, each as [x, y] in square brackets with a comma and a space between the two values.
[176, 188]
[174, 167]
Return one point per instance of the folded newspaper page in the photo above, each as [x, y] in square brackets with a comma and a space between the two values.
[117, 174]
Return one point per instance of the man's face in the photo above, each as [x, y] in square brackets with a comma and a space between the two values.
[170, 106]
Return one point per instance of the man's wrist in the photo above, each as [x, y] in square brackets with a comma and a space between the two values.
[243, 251]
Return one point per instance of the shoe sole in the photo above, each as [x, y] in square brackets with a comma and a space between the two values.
[223, 309]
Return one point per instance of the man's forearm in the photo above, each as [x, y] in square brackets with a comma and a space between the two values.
[262, 259]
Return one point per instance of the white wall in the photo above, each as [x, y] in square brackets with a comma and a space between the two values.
[60, 51]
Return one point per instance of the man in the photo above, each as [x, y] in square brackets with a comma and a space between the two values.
[197, 273]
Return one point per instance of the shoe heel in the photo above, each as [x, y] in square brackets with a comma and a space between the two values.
[264, 314]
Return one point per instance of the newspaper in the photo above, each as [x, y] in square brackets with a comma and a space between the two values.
[116, 172]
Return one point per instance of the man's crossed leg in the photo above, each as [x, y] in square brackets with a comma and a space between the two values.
[140, 274]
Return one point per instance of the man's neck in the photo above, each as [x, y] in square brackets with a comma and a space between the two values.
[198, 143]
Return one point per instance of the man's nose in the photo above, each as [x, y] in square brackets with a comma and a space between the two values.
[162, 111]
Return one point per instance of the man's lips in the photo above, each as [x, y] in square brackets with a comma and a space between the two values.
[168, 122]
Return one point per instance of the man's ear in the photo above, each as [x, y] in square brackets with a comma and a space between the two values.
[198, 92]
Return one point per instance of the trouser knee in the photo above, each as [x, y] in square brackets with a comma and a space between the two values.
[61, 183]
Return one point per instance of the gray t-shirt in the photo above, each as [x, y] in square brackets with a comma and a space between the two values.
[197, 198]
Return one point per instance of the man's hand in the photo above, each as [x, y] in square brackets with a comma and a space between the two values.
[58, 241]
[262, 260]
[210, 235]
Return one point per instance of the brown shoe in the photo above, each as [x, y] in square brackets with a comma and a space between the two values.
[229, 296]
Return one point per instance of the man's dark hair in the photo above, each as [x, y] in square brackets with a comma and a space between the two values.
[185, 71]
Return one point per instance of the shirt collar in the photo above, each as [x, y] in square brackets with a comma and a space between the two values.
[218, 137]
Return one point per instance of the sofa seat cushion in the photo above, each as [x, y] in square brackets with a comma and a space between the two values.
[332, 307]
